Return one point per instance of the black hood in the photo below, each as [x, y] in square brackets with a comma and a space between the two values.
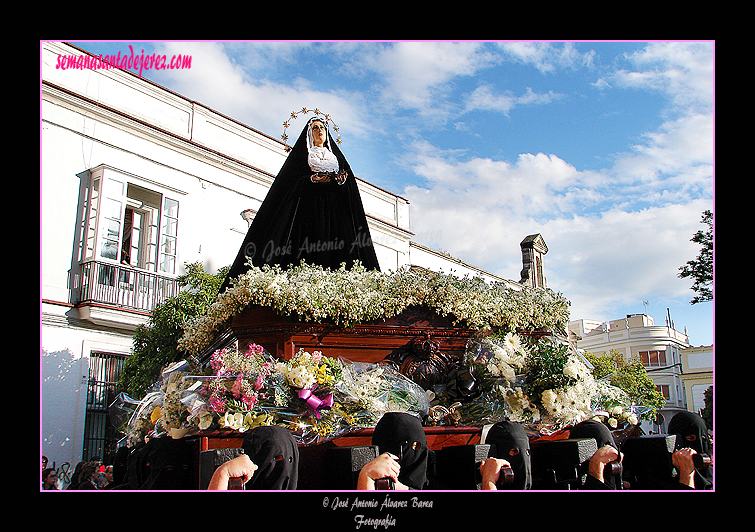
[275, 453]
[402, 434]
[509, 441]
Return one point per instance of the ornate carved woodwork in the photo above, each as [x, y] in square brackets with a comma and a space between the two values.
[423, 345]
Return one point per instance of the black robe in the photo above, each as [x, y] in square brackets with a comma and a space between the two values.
[603, 436]
[320, 223]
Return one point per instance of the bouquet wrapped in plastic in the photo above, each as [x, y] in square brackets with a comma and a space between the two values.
[478, 391]
[121, 413]
[371, 390]
[314, 396]
[545, 384]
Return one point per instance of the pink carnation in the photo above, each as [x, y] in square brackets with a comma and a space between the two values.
[217, 363]
[254, 350]
[249, 400]
[217, 404]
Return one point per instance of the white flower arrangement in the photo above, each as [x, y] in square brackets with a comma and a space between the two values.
[300, 377]
[619, 415]
[545, 384]
[357, 295]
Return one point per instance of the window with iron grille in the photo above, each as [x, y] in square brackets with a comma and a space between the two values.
[100, 437]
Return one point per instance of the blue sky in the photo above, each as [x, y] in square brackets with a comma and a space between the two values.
[605, 148]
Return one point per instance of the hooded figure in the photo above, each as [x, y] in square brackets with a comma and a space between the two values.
[510, 442]
[602, 435]
[402, 434]
[168, 465]
[312, 212]
[273, 450]
[691, 431]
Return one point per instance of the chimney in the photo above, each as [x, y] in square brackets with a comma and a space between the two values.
[533, 250]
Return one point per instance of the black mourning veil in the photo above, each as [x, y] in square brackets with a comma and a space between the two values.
[322, 223]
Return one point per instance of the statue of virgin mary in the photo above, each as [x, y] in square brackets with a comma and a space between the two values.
[312, 212]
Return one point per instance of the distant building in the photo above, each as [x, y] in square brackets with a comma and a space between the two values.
[661, 348]
[697, 375]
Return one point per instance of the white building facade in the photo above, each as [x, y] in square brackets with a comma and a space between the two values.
[135, 182]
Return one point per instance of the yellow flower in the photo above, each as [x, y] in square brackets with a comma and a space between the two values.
[157, 413]
[251, 421]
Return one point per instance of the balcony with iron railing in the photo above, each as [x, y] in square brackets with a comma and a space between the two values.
[121, 287]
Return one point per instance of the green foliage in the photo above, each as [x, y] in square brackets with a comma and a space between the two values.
[604, 365]
[156, 343]
[701, 270]
[629, 376]
[544, 369]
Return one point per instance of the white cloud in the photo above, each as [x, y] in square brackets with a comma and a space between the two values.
[615, 237]
[481, 210]
[683, 71]
[415, 75]
[547, 57]
[537, 185]
[224, 84]
[483, 98]
[619, 257]
[675, 150]
[212, 79]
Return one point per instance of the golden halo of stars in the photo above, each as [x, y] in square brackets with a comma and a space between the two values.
[304, 110]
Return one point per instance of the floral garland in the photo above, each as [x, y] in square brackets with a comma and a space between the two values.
[545, 384]
[314, 396]
[357, 295]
